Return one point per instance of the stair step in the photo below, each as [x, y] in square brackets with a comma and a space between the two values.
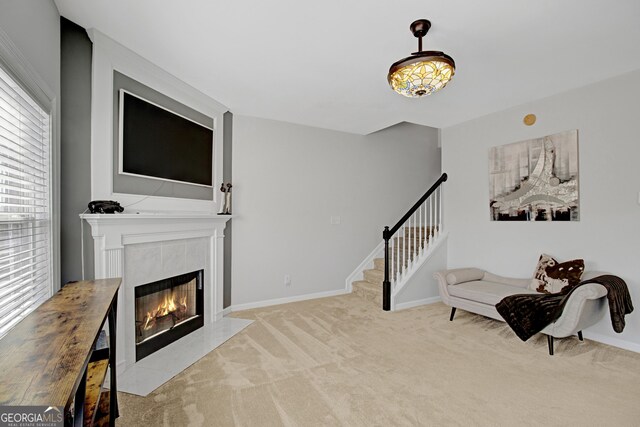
[368, 291]
[416, 239]
[374, 276]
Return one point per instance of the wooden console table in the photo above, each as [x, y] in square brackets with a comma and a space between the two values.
[56, 355]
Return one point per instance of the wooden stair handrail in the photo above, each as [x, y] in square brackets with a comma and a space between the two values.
[388, 233]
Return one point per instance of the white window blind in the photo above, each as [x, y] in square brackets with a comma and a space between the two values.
[25, 223]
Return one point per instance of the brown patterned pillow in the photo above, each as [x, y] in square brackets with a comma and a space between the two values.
[551, 277]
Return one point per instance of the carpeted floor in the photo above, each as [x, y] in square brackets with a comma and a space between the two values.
[343, 361]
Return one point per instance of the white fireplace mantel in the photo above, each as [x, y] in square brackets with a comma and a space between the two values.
[124, 229]
[113, 232]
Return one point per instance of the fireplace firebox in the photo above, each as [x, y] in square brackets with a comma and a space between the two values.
[167, 310]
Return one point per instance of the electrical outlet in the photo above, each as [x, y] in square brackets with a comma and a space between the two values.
[287, 280]
[335, 220]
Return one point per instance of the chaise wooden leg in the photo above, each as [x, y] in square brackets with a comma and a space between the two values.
[580, 336]
[550, 342]
[453, 313]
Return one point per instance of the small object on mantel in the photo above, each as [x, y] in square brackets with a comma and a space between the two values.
[225, 203]
[105, 207]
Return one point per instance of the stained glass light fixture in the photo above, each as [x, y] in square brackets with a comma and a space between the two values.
[424, 72]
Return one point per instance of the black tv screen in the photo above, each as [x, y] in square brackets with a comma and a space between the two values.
[158, 143]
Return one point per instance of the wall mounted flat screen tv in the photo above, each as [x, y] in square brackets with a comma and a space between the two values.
[160, 144]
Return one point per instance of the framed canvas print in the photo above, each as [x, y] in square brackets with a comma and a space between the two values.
[535, 180]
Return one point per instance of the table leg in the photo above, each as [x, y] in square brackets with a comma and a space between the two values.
[78, 409]
[113, 393]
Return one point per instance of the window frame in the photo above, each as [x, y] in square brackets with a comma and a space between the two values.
[18, 67]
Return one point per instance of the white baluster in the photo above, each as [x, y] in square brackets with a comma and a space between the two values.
[439, 209]
[410, 259]
[389, 267]
[420, 229]
[426, 222]
[399, 256]
[423, 209]
[405, 260]
[416, 245]
[431, 218]
[409, 243]
[413, 238]
[434, 230]
[397, 248]
[400, 252]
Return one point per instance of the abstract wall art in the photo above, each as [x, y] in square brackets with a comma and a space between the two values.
[535, 180]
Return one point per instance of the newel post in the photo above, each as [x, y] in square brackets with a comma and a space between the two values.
[386, 284]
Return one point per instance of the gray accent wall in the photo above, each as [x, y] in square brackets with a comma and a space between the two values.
[148, 186]
[226, 177]
[75, 147]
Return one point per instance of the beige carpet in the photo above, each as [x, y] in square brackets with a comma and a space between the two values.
[342, 361]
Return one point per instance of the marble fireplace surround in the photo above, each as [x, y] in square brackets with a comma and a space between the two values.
[145, 247]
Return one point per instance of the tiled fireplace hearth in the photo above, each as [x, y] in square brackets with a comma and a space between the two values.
[171, 296]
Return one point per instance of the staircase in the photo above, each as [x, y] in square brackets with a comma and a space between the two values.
[371, 287]
[404, 248]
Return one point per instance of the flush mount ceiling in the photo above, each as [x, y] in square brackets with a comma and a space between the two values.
[424, 72]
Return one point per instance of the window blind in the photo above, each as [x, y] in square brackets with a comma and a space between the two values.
[25, 223]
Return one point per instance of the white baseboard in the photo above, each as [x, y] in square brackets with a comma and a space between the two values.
[411, 304]
[278, 301]
[226, 311]
[613, 341]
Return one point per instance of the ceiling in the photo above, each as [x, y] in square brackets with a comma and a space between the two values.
[324, 63]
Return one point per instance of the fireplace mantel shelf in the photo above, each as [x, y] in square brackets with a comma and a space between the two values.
[117, 230]
[154, 215]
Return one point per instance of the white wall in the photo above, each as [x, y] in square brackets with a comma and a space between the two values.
[288, 180]
[608, 233]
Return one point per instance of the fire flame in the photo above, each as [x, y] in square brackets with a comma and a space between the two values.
[166, 307]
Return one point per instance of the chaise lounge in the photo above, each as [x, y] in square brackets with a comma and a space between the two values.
[478, 291]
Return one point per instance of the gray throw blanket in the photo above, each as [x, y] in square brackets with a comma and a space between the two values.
[528, 314]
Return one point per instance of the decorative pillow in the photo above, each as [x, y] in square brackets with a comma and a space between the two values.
[552, 277]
